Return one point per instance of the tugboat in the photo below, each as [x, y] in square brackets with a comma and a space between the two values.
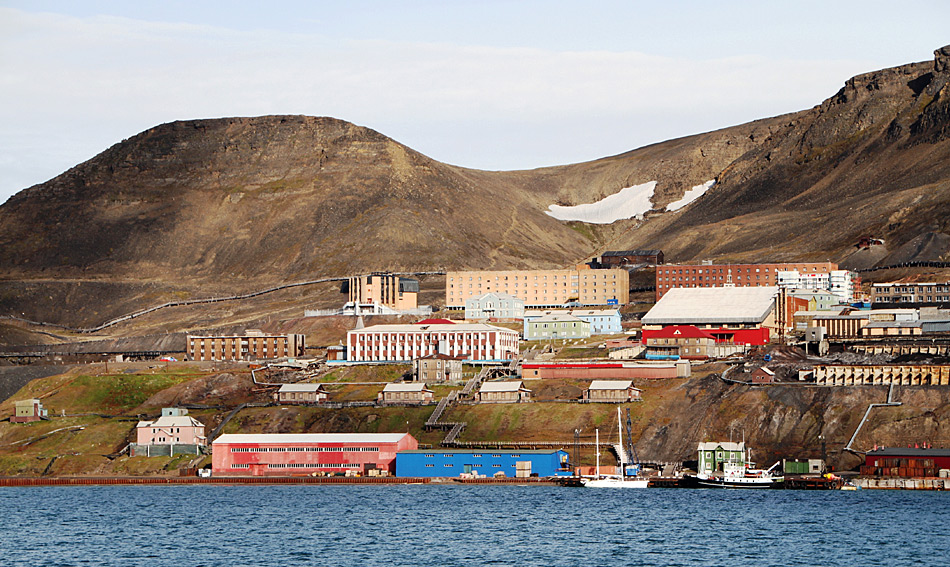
[726, 465]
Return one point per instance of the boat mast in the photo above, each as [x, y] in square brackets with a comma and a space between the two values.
[623, 473]
[597, 449]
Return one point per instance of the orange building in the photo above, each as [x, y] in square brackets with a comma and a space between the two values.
[384, 289]
[541, 288]
[252, 345]
[739, 275]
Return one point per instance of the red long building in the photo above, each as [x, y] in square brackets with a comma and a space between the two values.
[286, 454]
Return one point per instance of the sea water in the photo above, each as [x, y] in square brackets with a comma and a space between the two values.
[439, 525]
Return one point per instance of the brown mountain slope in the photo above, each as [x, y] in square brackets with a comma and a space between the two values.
[231, 204]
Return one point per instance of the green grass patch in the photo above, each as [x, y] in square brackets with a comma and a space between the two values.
[112, 393]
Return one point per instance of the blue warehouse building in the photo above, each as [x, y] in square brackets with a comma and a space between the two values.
[450, 463]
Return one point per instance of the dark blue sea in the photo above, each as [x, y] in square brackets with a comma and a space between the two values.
[435, 525]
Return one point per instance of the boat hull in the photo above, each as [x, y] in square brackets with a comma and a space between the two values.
[738, 482]
[617, 483]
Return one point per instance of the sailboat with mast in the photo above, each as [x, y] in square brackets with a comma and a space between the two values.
[614, 481]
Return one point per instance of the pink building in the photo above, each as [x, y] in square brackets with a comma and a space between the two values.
[287, 454]
[174, 427]
[404, 343]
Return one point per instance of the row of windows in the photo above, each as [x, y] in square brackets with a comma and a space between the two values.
[304, 449]
[603, 276]
[313, 465]
[475, 456]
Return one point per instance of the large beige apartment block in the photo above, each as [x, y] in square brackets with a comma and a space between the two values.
[541, 288]
[738, 275]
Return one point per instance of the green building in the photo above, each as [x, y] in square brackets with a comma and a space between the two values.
[713, 454]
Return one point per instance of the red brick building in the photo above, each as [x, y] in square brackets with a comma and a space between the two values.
[289, 454]
[739, 275]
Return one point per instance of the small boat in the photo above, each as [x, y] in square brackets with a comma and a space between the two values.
[614, 481]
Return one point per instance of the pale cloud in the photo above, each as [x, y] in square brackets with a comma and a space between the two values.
[72, 86]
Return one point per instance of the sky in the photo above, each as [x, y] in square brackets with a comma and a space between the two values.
[487, 84]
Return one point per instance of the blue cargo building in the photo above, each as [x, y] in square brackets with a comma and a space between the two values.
[488, 462]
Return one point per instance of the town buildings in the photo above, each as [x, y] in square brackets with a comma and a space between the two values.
[507, 392]
[601, 322]
[541, 288]
[475, 342]
[254, 344]
[733, 315]
[173, 433]
[712, 455]
[437, 368]
[302, 394]
[26, 411]
[914, 293]
[284, 454]
[554, 326]
[384, 289]
[680, 341]
[411, 393]
[488, 462]
[494, 307]
[612, 391]
[789, 275]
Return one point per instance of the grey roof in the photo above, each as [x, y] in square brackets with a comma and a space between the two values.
[407, 387]
[512, 386]
[611, 385]
[893, 324]
[726, 446]
[707, 305]
[301, 387]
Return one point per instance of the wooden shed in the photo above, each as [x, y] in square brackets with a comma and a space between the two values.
[412, 393]
[612, 391]
[508, 392]
[298, 394]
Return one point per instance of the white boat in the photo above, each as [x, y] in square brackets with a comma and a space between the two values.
[740, 476]
[731, 468]
[614, 481]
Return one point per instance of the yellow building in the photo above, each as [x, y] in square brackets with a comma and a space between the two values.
[541, 288]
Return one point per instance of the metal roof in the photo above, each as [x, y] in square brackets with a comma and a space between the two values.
[172, 421]
[630, 253]
[407, 387]
[301, 387]
[611, 385]
[274, 438]
[502, 386]
[708, 305]
[725, 445]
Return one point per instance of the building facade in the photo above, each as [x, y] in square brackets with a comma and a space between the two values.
[712, 455]
[381, 288]
[302, 394]
[739, 275]
[173, 433]
[508, 392]
[488, 462]
[612, 391]
[252, 345]
[413, 393]
[733, 315]
[680, 341]
[911, 293]
[26, 411]
[403, 343]
[494, 306]
[602, 321]
[286, 454]
[541, 288]
[555, 326]
[437, 368]
[598, 370]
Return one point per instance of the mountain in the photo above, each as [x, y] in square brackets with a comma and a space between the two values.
[196, 207]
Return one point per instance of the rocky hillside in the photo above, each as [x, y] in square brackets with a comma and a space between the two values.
[207, 206]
